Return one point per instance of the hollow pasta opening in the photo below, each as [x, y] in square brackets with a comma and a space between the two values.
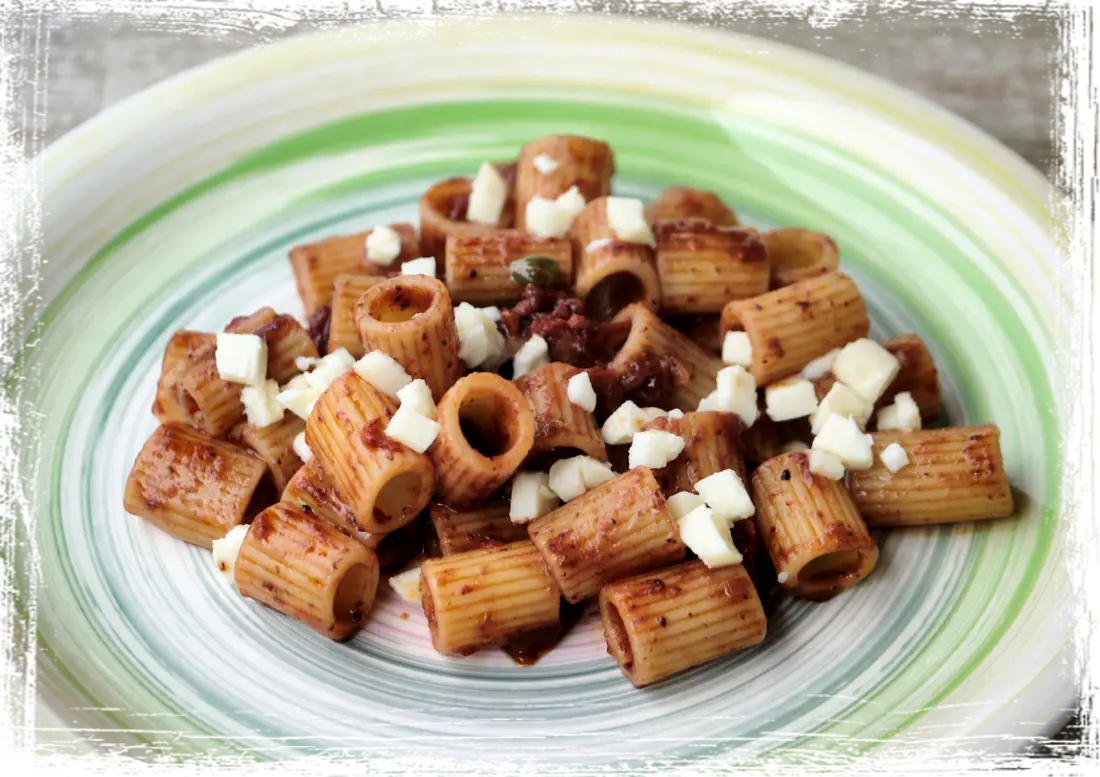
[351, 596]
[831, 566]
[798, 250]
[399, 302]
[612, 294]
[489, 424]
[618, 643]
[263, 496]
[395, 497]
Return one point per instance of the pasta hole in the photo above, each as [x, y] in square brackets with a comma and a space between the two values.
[399, 302]
[396, 496]
[831, 566]
[351, 595]
[618, 643]
[262, 498]
[612, 294]
[489, 424]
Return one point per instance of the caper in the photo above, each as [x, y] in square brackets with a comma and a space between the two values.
[535, 270]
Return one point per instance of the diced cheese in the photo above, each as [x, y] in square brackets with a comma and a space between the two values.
[241, 358]
[298, 397]
[842, 401]
[903, 414]
[654, 449]
[418, 397]
[425, 265]
[330, 368]
[571, 203]
[621, 426]
[821, 366]
[260, 404]
[789, 399]
[675, 413]
[407, 585]
[794, 446]
[480, 342]
[304, 363]
[302, 448]
[531, 496]
[736, 393]
[226, 550]
[545, 164]
[781, 578]
[411, 429]
[492, 312]
[709, 538]
[383, 245]
[626, 218]
[383, 372]
[580, 392]
[533, 354]
[826, 464]
[683, 502]
[737, 349]
[487, 195]
[894, 457]
[725, 494]
[653, 413]
[866, 367]
[842, 437]
[545, 218]
[569, 478]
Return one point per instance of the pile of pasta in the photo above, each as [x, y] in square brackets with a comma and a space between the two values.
[548, 395]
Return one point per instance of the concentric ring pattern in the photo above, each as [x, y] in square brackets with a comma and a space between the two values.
[178, 208]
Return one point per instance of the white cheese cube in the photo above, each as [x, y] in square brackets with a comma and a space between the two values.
[425, 265]
[894, 457]
[709, 402]
[301, 447]
[487, 195]
[571, 203]
[737, 349]
[683, 502]
[626, 218]
[842, 437]
[298, 397]
[794, 446]
[328, 369]
[545, 164]
[226, 550]
[545, 218]
[383, 372]
[781, 578]
[411, 429]
[580, 392]
[621, 426]
[654, 449]
[241, 358]
[533, 354]
[653, 413]
[531, 497]
[709, 538]
[383, 245]
[675, 413]
[826, 464]
[842, 401]
[594, 471]
[726, 496]
[473, 346]
[417, 397]
[569, 478]
[492, 312]
[407, 585]
[789, 399]
[866, 367]
[736, 393]
[304, 363]
[821, 366]
[903, 414]
[260, 404]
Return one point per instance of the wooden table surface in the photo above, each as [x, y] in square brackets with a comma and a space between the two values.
[999, 74]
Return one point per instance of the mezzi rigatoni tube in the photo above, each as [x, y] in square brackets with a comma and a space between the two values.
[457, 530]
[479, 267]
[343, 328]
[586, 163]
[702, 266]
[712, 443]
[560, 426]
[274, 444]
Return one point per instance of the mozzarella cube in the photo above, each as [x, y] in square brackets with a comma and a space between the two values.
[328, 369]
[226, 550]
[594, 472]
[298, 396]
[726, 496]
[533, 354]
[260, 404]
[682, 503]
[425, 265]
[736, 393]
[621, 426]
[675, 413]
[571, 203]
[737, 349]
[411, 429]
[903, 414]
[417, 397]
[709, 402]
[301, 447]
[492, 312]
[708, 537]
[653, 413]
[480, 342]
[545, 218]
[241, 358]
[383, 245]
[826, 464]
[383, 372]
[569, 478]
[866, 367]
[531, 497]
[580, 392]
[794, 446]
[821, 366]
[841, 401]
[473, 346]
[304, 363]
[626, 218]
[894, 457]
[789, 399]
[654, 449]
[545, 164]
[407, 585]
[781, 578]
[487, 195]
[842, 437]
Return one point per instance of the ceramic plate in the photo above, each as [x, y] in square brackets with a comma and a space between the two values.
[177, 209]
